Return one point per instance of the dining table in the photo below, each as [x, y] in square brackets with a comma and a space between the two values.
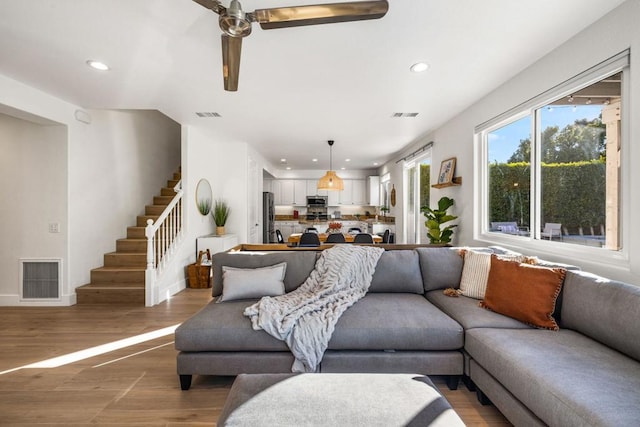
[348, 237]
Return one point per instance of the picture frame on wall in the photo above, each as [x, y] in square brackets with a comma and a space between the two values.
[447, 168]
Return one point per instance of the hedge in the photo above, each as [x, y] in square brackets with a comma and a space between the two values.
[572, 193]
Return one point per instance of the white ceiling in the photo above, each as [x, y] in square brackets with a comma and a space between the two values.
[298, 87]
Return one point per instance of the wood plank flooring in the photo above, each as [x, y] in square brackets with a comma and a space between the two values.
[135, 385]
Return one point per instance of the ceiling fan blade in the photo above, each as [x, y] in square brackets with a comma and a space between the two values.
[212, 5]
[284, 17]
[231, 48]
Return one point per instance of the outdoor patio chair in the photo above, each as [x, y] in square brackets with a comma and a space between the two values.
[551, 230]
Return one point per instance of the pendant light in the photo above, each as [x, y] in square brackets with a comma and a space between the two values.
[331, 181]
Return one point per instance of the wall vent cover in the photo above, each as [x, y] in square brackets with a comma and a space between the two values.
[40, 279]
[207, 114]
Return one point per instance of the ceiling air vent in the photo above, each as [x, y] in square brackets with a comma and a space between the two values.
[207, 114]
[404, 115]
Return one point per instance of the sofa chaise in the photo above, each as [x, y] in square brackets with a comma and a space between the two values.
[585, 373]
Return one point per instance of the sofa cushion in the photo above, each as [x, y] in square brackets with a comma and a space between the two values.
[564, 377]
[395, 321]
[299, 265]
[223, 327]
[397, 271]
[243, 283]
[525, 292]
[469, 314]
[603, 309]
[440, 267]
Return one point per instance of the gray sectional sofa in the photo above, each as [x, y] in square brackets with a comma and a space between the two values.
[587, 373]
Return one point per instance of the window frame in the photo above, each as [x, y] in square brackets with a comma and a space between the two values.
[619, 258]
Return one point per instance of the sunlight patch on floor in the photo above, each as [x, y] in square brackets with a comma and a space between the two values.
[96, 351]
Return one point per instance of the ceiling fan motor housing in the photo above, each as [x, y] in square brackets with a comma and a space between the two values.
[233, 21]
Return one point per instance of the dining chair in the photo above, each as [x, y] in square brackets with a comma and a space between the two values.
[363, 238]
[355, 230]
[335, 238]
[311, 230]
[386, 236]
[309, 239]
[279, 237]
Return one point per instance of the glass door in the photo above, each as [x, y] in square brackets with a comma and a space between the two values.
[417, 177]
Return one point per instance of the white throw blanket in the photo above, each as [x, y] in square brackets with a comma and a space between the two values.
[306, 317]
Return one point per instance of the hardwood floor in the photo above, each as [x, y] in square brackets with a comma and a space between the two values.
[133, 385]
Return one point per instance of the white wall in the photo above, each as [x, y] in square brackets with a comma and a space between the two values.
[34, 194]
[112, 167]
[612, 34]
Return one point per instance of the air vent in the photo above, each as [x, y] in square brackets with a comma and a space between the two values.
[41, 279]
[208, 114]
[404, 115]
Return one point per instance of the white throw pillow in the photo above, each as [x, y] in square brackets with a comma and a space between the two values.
[476, 267]
[242, 283]
[475, 273]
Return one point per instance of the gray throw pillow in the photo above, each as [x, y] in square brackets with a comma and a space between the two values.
[243, 283]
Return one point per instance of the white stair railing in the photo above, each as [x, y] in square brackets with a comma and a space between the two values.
[162, 238]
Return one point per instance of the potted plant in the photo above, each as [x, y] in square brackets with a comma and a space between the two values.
[439, 235]
[220, 215]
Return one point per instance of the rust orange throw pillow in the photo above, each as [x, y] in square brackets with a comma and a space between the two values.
[525, 292]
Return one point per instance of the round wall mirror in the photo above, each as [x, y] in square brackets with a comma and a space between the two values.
[203, 196]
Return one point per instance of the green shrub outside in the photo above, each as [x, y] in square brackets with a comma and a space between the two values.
[572, 193]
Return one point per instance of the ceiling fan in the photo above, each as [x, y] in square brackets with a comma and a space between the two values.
[236, 24]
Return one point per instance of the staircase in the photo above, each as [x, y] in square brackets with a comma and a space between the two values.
[122, 278]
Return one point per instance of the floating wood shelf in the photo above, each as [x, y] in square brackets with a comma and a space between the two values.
[457, 180]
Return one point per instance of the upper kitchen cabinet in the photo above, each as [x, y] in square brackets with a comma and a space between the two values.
[373, 190]
[290, 192]
[312, 188]
[354, 193]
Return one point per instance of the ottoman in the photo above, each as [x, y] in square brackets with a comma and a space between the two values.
[336, 400]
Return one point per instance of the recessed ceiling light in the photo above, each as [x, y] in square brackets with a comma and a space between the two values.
[347, 160]
[97, 65]
[283, 160]
[314, 160]
[419, 67]
[288, 168]
[375, 163]
[343, 168]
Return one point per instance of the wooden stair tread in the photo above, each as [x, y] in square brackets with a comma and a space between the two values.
[110, 286]
[119, 269]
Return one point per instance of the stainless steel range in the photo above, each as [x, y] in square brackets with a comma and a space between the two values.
[317, 208]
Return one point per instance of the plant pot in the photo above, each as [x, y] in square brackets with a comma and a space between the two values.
[220, 231]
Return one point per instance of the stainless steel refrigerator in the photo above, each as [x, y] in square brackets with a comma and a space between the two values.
[268, 218]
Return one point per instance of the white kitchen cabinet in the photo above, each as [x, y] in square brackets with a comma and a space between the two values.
[373, 189]
[267, 185]
[333, 198]
[312, 188]
[216, 243]
[345, 196]
[290, 192]
[354, 192]
[359, 192]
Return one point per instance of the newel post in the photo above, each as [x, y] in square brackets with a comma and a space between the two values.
[149, 276]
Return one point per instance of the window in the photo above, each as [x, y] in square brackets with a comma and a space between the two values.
[551, 167]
